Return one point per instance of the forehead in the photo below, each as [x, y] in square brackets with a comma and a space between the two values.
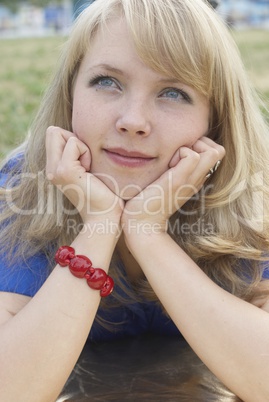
[110, 38]
[113, 51]
[163, 51]
[113, 45]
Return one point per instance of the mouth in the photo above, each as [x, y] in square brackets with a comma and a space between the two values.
[127, 158]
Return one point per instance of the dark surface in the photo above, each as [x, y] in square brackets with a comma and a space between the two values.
[214, 3]
[148, 369]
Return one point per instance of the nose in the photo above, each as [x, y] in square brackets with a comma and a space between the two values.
[134, 119]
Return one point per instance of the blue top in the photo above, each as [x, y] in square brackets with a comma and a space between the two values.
[27, 276]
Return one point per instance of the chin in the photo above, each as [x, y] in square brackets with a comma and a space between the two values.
[128, 193]
[124, 190]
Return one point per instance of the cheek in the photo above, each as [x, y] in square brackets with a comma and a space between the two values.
[185, 135]
[82, 119]
[197, 128]
[77, 118]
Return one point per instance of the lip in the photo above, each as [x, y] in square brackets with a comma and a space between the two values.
[127, 158]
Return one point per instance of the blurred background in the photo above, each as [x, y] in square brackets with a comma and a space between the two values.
[32, 32]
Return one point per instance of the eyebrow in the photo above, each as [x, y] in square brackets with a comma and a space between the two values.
[107, 67]
[115, 70]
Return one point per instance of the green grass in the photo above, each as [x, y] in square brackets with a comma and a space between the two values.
[25, 68]
[26, 65]
[254, 48]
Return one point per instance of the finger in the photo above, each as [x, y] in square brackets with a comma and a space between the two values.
[76, 154]
[188, 160]
[175, 159]
[56, 139]
[204, 143]
[210, 155]
[176, 182]
[184, 170]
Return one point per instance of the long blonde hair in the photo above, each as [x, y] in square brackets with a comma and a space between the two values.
[187, 40]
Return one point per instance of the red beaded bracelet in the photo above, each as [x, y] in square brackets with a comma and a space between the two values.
[81, 267]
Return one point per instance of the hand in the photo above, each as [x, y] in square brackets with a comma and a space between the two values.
[150, 209]
[68, 167]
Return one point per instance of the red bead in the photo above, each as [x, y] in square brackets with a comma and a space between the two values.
[63, 255]
[108, 287]
[80, 265]
[97, 279]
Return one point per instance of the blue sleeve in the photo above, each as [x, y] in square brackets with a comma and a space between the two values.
[12, 167]
[265, 274]
[3, 179]
[24, 276]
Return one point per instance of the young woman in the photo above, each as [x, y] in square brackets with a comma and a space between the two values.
[147, 159]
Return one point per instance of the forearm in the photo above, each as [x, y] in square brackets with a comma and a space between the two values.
[228, 334]
[41, 344]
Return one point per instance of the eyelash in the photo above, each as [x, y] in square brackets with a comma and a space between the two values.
[95, 81]
[184, 94]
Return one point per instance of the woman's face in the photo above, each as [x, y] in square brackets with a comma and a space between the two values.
[131, 117]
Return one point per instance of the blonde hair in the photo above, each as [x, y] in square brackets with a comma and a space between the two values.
[187, 40]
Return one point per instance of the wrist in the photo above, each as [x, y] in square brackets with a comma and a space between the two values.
[138, 228]
[105, 227]
[143, 237]
[97, 242]
[81, 267]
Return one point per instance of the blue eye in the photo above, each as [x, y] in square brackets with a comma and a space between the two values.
[172, 94]
[103, 81]
[175, 94]
[106, 82]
